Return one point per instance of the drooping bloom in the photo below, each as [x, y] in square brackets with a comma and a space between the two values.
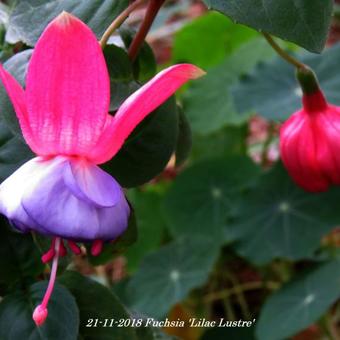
[63, 115]
[310, 138]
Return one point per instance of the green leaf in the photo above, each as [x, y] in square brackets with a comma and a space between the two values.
[210, 96]
[203, 196]
[207, 40]
[96, 302]
[229, 333]
[299, 303]
[272, 91]
[148, 149]
[30, 17]
[19, 256]
[278, 219]
[16, 315]
[151, 225]
[305, 22]
[112, 249]
[166, 276]
[13, 152]
[184, 139]
[17, 67]
[144, 66]
[121, 75]
[152, 333]
[223, 143]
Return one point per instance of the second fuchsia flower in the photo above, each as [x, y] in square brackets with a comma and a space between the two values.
[310, 138]
[63, 114]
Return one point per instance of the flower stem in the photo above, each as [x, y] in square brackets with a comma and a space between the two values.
[118, 21]
[151, 12]
[282, 53]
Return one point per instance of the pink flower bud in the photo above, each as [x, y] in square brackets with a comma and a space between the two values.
[310, 139]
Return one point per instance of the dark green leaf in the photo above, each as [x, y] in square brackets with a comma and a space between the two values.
[17, 67]
[167, 275]
[149, 148]
[152, 333]
[305, 22]
[278, 219]
[272, 90]
[97, 302]
[144, 66]
[229, 333]
[19, 256]
[184, 139]
[223, 143]
[207, 40]
[202, 197]
[13, 152]
[151, 226]
[299, 303]
[16, 315]
[30, 17]
[208, 103]
[121, 75]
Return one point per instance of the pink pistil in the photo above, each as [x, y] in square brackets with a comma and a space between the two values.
[40, 313]
[74, 247]
[97, 247]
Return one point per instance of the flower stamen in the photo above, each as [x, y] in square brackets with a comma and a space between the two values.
[63, 250]
[97, 247]
[48, 256]
[74, 247]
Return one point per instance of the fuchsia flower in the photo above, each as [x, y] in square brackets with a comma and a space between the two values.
[63, 115]
[310, 139]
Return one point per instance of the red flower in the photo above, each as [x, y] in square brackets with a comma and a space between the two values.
[310, 139]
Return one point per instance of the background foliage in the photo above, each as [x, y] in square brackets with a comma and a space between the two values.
[219, 228]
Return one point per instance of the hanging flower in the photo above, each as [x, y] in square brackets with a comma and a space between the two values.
[310, 138]
[63, 115]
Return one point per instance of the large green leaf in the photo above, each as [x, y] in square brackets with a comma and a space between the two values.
[147, 205]
[167, 275]
[153, 333]
[278, 219]
[228, 141]
[303, 22]
[16, 315]
[299, 303]
[202, 197]
[272, 91]
[121, 75]
[30, 17]
[13, 152]
[237, 333]
[144, 66]
[148, 149]
[184, 139]
[17, 67]
[19, 256]
[97, 302]
[207, 40]
[208, 103]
